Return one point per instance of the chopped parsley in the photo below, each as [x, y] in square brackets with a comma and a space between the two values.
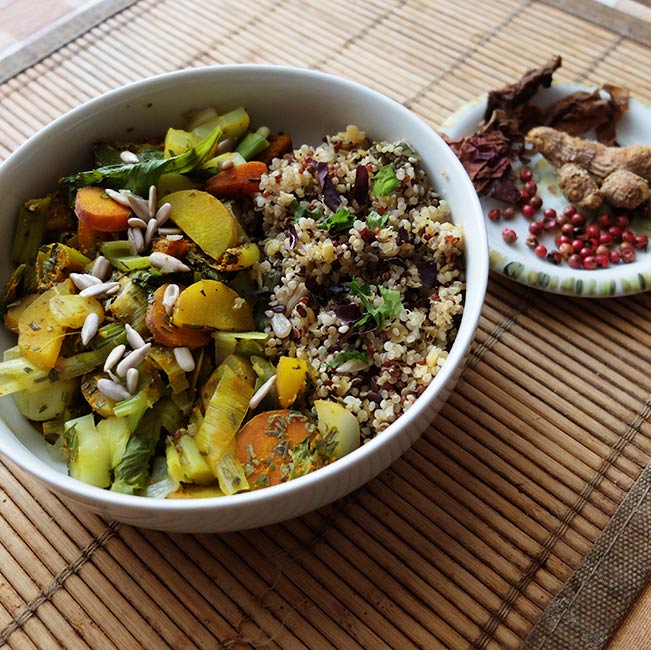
[374, 220]
[341, 220]
[385, 181]
[301, 210]
[341, 358]
[385, 312]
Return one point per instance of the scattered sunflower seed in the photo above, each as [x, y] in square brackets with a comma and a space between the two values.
[133, 337]
[101, 267]
[139, 206]
[174, 236]
[262, 392]
[170, 231]
[151, 229]
[170, 297]
[184, 358]
[281, 325]
[84, 280]
[114, 356]
[133, 377]
[136, 239]
[163, 213]
[167, 263]
[137, 222]
[129, 158]
[133, 360]
[99, 289]
[89, 328]
[112, 389]
[226, 164]
[151, 203]
[120, 197]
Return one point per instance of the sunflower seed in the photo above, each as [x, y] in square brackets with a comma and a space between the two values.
[184, 358]
[175, 236]
[226, 145]
[133, 360]
[166, 263]
[101, 267]
[151, 229]
[281, 326]
[99, 289]
[137, 222]
[151, 204]
[129, 158]
[120, 197]
[163, 213]
[139, 206]
[114, 356]
[136, 239]
[262, 392]
[112, 389]
[113, 290]
[170, 297]
[133, 376]
[84, 280]
[89, 328]
[226, 164]
[170, 231]
[133, 337]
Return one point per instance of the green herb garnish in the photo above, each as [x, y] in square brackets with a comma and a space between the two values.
[301, 210]
[388, 309]
[385, 181]
[341, 358]
[341, 220]
[374, 220]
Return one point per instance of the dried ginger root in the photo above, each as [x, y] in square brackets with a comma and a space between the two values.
[590, 172]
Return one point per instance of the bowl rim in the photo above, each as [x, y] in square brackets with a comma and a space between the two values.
[65, 484]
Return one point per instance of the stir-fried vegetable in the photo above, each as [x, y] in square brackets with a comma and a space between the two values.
[135, 305]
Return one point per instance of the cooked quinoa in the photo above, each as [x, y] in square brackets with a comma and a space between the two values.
[323, 274]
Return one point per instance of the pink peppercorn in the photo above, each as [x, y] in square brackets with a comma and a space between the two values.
[509, 235]
[536, 227]
[603, 260]
[569, 210]
[622, 220]
[589, 263]
[641, 242]
[494, 214]
[540, 250]
[575, 261]
[508, 213]
[531, 187]
[526, 174]
[615, 257]
[528, 211]
[628, 236]
[536, 202]
[593, 230]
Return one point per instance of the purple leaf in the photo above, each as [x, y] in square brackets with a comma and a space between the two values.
[360, 188]
[348, 312]
[427, 273]
[330, 195]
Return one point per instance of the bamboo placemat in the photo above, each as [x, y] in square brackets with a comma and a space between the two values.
[464, 542]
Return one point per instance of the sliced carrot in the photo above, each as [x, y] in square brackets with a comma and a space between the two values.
[165, 333]
[263, 444]
[100, 212]
[178, 248]
[279, 145]
[242, 179]
[88, 239]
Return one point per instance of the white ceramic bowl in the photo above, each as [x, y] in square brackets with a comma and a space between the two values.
[308, 105]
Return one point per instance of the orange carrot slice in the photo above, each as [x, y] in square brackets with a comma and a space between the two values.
[99, 212]
[242, 179]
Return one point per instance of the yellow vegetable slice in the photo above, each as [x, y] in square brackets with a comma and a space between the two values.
[71, 311]
[292, 376]
[205, 219]
[212, 304]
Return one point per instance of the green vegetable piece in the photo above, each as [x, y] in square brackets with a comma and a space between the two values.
[140, 176]
[341, 358]
[374, 220]
[55, 262]
[341, 220]
[388, 309]
[32, 224]
[233, 124]
[230, 473]
[385, 181]
[339, 428]
[89, 453]
[117, 432]
[48, 402]
[251, 145]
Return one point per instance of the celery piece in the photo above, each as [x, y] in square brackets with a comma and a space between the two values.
[177, 141]
[48, 402]
[164, 358]
[230, 473]
[14, 287]
[116, 431]
[196, 468]
[251, 145]
[89, 456]
[134, 407]
[19, 374]
[233, 124]
[118, 253]
[225, 342]
[224, 415]
[55, 262]
[130, 306]
[32, 224]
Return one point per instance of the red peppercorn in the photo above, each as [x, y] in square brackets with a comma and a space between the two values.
[555, 257]
[615, 257]
[577, 245]
[622, 220]
[589, 263]
[605, 220]
[603, 260]
[628, 255]
[528, 211]
[593, 230]
[615, 232]
[586, 251]
[562, 219]
[526, 174]
[577, 219]
[536, 228]
[605, 238]
[567, 229]
[569, 210]
[628, 236]
[550, 213]
[575, 261]
[531, 187]
[536, 202]
[565, 250]
[524, 196]
[540, 250]
[508, 213]
[532, 241]
[641, 242]
[602, 249]
[494, 214]
[509, 235]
